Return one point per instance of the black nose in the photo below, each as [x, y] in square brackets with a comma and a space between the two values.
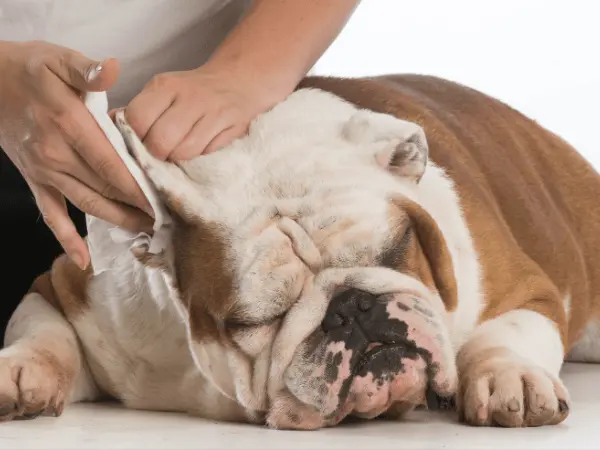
[346, 306]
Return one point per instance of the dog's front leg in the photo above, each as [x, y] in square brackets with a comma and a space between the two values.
[509, 372]
[42, 366]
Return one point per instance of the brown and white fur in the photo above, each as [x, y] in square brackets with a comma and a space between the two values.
[480, 240]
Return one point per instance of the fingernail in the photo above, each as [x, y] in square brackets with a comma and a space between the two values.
[93, 72]
[79, 260]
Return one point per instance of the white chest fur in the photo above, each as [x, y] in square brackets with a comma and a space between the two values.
[136, 346]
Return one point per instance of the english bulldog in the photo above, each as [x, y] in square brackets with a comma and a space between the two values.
[369, 244]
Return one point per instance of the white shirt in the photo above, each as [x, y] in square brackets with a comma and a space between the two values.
[147, 36]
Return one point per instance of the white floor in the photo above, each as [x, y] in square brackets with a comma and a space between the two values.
[107, 426]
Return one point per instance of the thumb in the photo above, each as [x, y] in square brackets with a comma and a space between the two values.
[85, 74]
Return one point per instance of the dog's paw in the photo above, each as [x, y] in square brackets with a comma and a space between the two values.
[31, 384]
[498, 388]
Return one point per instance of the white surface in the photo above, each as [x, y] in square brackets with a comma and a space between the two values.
[107, 426]
[540, 56]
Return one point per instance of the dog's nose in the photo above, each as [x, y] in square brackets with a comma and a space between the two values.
[345, 306]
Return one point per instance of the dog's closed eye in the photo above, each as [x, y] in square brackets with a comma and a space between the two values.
[252, 339]
[242, 322]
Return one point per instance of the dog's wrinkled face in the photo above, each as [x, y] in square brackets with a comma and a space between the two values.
[313, 284]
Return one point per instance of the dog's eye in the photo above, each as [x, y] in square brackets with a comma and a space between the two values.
[238, 323]
[252, 339]
[234, 325]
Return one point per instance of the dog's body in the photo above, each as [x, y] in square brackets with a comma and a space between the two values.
[474, 272]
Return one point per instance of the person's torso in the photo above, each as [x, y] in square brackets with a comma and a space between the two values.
[147, 36]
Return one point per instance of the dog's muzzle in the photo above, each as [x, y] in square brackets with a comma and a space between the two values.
[376, 351]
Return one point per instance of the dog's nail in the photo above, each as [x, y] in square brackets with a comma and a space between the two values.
[482, 413]
[514, 405]
[7, 409]
[33, 415]
[59, 409]
[563, 406]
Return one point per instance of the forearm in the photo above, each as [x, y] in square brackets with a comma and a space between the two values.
[280, 40]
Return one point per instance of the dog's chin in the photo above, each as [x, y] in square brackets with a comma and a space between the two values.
[382, 364]
[384, 377]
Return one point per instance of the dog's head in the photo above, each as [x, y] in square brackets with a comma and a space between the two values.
[313, 284]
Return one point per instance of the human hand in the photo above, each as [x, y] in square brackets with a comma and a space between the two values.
[54, 141]
[180, 115]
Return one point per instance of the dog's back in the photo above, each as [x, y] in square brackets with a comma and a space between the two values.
[517, 181]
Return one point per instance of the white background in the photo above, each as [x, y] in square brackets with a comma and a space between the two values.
[540, 56]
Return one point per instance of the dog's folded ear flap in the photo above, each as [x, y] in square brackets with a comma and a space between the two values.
[179, 194]
[396, 145]
[436, 251]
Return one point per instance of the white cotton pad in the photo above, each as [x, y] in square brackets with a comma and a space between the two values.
[106, 241]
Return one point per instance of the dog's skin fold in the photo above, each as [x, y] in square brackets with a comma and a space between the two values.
[371, 243]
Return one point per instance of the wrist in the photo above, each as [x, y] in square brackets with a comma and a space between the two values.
[5, 47]
[6, 55]
[269, 79]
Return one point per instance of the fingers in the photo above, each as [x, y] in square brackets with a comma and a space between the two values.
[170, 129]
[60, 147]
[82, 73]
[207, 135]
[181, 115]
[78, 129]
[145, 109]
[55, 155]
[225, 138]
[80, 170]
[90, 143]
[96, 205]
[54, 212]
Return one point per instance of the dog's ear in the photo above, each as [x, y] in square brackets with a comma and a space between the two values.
[436, 251]
[181, 195]
[396, 145]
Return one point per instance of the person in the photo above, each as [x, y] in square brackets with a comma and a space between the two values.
[190, 75]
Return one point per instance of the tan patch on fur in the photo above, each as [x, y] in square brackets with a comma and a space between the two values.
[426, 255]
[204, 281]
[43, 286]
[150, 260]
[70, 286]
[417, 264]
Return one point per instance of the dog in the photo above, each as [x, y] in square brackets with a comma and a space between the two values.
[370, 243]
